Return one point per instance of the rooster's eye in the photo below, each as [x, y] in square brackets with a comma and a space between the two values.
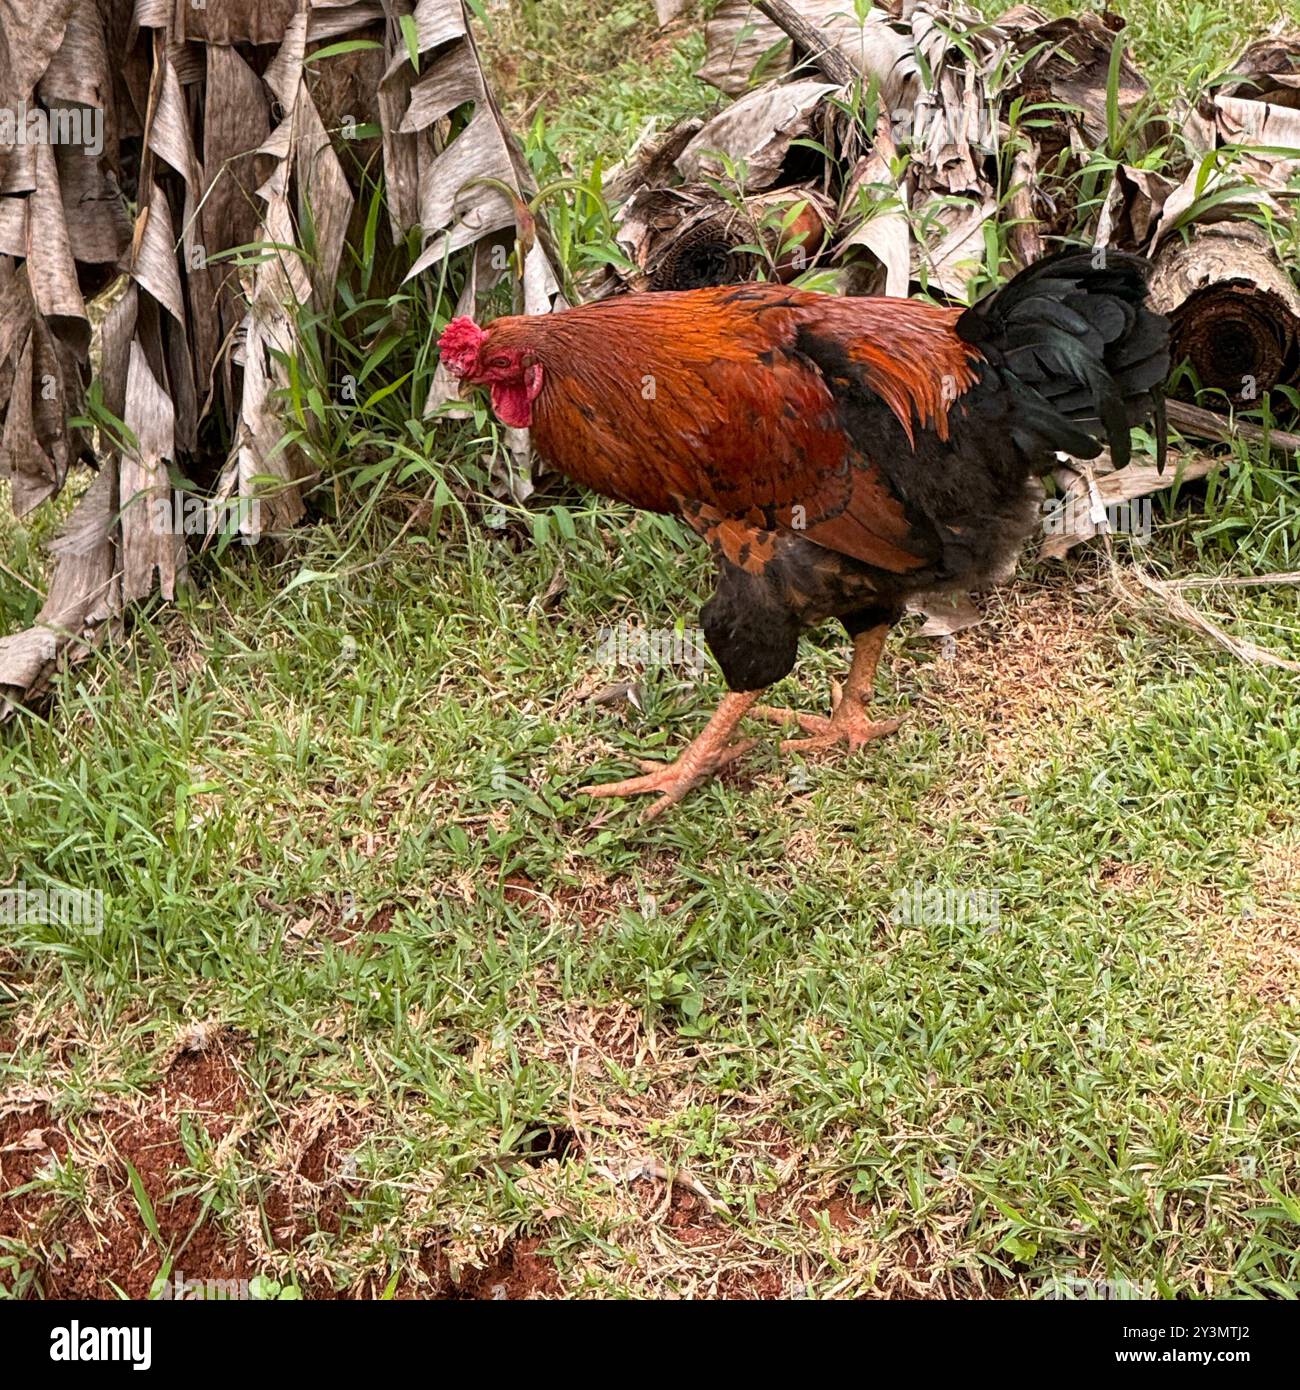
[499, 362]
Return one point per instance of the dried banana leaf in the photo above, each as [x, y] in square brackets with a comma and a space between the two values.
[464, 187]
[153, 550]
[1256, 111]
[192, 334]
[942, 76]
[263, 474]
[231, 21]
[745, 46]
[456, 200]
[237, 128]
[877, 220]
[755, 132]
[31, 33]
[1068, 60]
[85, 592]
[1134, 208]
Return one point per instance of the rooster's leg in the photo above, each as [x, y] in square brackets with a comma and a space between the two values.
[710, 751]
[849, 722]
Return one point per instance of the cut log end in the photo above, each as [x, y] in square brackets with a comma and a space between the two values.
[1234, 310]
[718, 250]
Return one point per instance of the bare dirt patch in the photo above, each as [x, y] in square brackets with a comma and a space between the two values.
[88, 1242]
[586, 896]
[518, 1271]
[30, 1140]
[315, 1172]
[1022, 665]
[325, 918]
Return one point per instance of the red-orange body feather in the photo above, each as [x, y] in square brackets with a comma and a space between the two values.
[654, 398]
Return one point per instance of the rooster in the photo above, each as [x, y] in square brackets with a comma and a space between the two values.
[840, 456]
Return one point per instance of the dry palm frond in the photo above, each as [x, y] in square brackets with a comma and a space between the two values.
[214, 158]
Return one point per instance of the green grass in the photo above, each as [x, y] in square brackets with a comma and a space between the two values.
[597, 75]
[351, 843]
[395, 1004]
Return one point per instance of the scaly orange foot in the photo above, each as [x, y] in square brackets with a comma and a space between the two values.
[848, 724]
[709, 752]
[671, 780]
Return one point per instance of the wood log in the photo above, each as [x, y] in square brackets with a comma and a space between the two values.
[709, 253]
[1235, 312]
[1198, 423]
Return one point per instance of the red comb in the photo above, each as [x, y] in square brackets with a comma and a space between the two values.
[460, 344]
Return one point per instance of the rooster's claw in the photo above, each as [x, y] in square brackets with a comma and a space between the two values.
[848, 724]
[671, 780]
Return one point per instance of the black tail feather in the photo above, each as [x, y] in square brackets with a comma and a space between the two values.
[1072, 340]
